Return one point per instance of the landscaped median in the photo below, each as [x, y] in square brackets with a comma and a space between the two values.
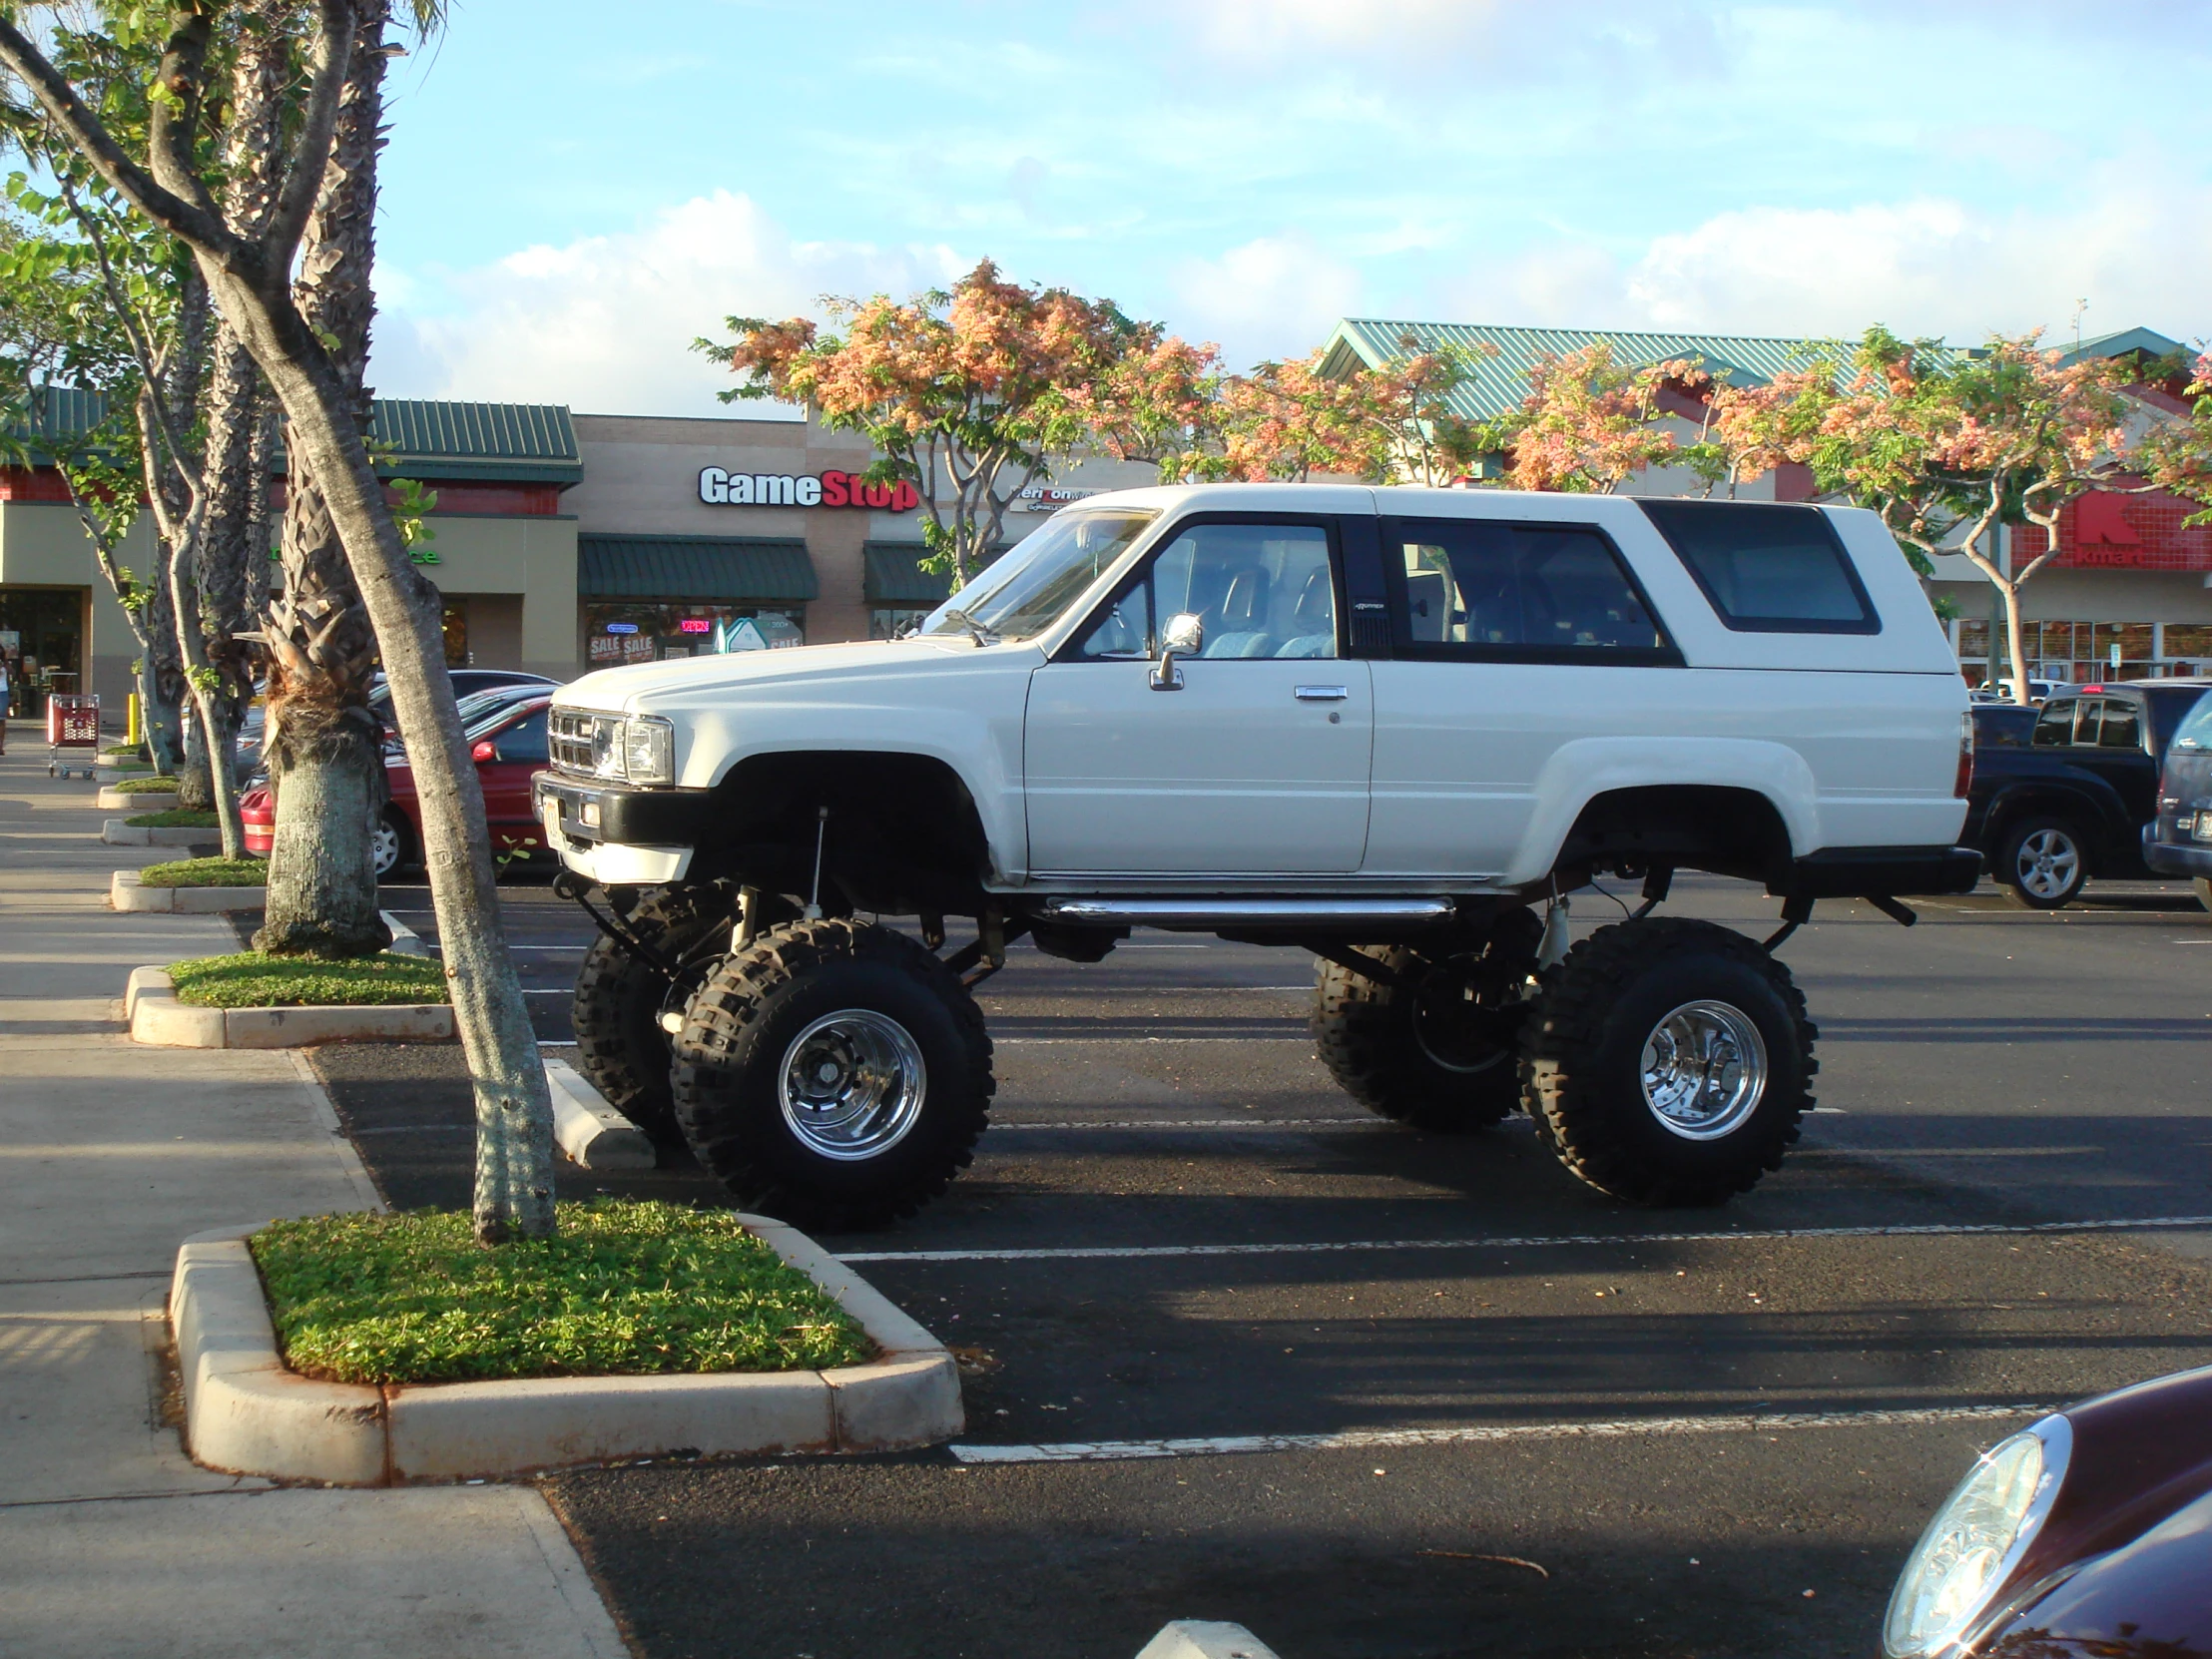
[641, 1330]
[147, 794]
[171, 826]
[192, 886]
[257, 1001]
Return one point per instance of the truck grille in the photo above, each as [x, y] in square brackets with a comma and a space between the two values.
[586, 744]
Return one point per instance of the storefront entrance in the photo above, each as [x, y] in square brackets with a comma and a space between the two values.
[615, 634]
[42, 634]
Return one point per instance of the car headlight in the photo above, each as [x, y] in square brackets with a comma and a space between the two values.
[648, 750]
[1975, 1541]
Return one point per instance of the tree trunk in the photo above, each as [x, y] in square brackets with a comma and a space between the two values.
[323, 405]
[323, 744]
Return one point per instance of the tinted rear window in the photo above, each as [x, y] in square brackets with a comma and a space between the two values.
[1767, 569]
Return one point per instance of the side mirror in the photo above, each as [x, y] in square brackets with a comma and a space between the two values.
[484, 749]
[1183, 636]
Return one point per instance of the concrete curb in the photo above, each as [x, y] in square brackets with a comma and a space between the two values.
[127, 892]
[118, 832]
[244, 1414]
[146, 800]
[405, 941]
[591, 1132]
[103, 773]
[156, 1016]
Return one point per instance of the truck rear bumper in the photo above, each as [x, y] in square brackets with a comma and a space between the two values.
[1883, 872]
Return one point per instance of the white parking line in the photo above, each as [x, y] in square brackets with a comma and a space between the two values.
[1076, 1253]
[1039, 1042]
[1380, 1440]
[1370, 1122]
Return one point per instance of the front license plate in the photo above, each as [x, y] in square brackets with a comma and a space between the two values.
[553, 836]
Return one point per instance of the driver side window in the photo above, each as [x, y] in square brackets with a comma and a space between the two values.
[1262, 590]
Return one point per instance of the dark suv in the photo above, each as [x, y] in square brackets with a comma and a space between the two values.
[2178, 842]
[2063, 793]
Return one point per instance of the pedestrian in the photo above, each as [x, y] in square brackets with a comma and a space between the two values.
[6, 692]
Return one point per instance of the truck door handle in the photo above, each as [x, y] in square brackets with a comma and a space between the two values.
[1321, 694]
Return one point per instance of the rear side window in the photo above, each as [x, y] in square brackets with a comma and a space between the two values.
[2196, 731]
[1767, 569]
[2055, 728]
[1492, 591]
[2122, 727]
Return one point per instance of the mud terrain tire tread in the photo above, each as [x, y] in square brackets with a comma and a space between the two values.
[724, 1086]
[1604, 1133]
[1364, 1036]
[619, 1046]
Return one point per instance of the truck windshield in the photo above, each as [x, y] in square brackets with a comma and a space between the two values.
[1028, 589]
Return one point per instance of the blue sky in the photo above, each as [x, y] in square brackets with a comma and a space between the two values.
[573, 192]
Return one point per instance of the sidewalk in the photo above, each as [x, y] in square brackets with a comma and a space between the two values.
[112, 1542]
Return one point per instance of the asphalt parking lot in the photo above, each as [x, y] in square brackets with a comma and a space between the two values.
[1233, 1350]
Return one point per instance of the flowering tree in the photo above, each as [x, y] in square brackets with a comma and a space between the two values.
[2176, 455]
[968, 394]
[1588, 424]
[1947, 445]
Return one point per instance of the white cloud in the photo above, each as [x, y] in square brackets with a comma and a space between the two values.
[1275, 297]
[605, 324]
[1923, 266]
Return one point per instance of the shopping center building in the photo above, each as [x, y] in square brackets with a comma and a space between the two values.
[563, 542]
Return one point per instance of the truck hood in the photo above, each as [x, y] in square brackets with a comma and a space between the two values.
[642, 687]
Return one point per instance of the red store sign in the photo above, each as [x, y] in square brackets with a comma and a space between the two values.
[783, 490]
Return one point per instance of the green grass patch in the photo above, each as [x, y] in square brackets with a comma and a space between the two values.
[253, 980]
[125, 751]
[626, 1289]
[173, 817]
[206, 872]
[157, 784]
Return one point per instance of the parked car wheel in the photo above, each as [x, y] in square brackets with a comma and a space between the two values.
[834, 1074]
[621, 1046]
[1439, 1051]
[2041, 862]
[391, 845]
[1667, 1061]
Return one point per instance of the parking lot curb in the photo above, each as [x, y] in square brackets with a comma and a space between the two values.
[246, 1414]
[146, 800]
[591, 1132]
[156, 1018]
[405, 941]
[117, 831]
[127, 892]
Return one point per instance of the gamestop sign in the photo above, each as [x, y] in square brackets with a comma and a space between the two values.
[783, 490]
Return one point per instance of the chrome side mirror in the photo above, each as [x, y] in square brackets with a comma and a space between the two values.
[1182, 636]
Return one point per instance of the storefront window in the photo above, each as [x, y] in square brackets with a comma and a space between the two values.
[457, 634]
[888, 622]
[615, 634]
[42, 634]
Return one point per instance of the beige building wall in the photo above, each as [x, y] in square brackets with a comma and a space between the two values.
[43, 544]
[530, 558]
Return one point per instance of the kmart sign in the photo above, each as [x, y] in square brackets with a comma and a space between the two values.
[805, 489]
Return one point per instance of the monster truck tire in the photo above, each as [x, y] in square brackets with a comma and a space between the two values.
[621, 1045]
[1667, 1062]
[1407, 1052]
[833, 1074]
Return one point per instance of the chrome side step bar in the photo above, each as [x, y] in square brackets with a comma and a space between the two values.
[1205, 915]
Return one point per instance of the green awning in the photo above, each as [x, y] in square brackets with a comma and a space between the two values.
[694, 567]
[896, 577]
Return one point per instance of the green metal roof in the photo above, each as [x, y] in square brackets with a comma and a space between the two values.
[2146, 340]
[1499, 384]
[894, 575]
[532, 442]
[694, 567]
[492, 442]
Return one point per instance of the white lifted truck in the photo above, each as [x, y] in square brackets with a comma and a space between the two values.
[1390, 728]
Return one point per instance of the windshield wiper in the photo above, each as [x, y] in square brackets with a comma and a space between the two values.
[981, 635]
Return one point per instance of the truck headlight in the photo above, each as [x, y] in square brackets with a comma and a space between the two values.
[1975, 1541]
[648, 750]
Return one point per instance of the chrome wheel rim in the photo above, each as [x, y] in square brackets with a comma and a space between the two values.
[1448, 1031]
[1704, 1070]
[2047, 864]
[852, 1085]
[384, 849]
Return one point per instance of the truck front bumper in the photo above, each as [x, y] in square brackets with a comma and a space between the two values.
[616, 836]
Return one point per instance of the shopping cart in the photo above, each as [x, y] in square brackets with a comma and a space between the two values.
[71, 722]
